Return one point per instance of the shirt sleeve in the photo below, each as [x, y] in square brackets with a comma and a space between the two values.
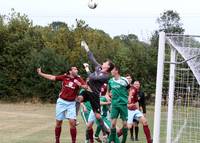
[60, 77]
[92, 59]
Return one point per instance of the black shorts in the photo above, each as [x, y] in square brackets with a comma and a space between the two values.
[135, 121]
[94, 100]
[143, 107]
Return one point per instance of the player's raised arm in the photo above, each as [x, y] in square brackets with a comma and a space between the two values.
[90, 54]
[86, 66]
[47, 76]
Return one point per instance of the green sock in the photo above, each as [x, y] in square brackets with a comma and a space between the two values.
[125, 133]
[98, 130]
[112, 135]
[117, 139]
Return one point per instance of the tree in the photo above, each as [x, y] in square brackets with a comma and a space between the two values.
[169, 22]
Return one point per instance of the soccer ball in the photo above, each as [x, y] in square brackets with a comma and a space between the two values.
[92, 4]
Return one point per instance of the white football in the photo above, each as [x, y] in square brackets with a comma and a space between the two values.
[92, 4]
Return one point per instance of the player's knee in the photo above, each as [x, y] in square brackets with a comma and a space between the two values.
[129, 126]
[144, 121]
[97, 115]
[125, 125]
[89, 126]
[72, 123]
[58, 124]
[79, 99]
[113, 125]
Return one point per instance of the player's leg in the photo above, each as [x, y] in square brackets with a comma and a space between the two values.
[131, 133]
[96, 107]
[97, 133]
[58, 128]
[130, 122]
[143, 120]
[100, 120]
[136, 123]
[71, 115]
[124, 117]
[73, 131]
[113, 130]
[114, 116]
[85, 116]
[60, 116]
[108, 125]
[91, 120]
[90, 131]
[119, 131]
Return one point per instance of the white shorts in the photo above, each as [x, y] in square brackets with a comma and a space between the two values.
[92, 117]
[134, 114]
[65, 109]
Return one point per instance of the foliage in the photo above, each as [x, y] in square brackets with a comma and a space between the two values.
[56, 47]
[169, 22]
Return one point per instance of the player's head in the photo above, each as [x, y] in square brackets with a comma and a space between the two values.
[107, 66]
[73, 71]
[129, 78]
[115, 71]
[103, 89]
[136, 84]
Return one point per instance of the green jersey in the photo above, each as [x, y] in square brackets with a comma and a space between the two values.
[104, 108]
[119, 91]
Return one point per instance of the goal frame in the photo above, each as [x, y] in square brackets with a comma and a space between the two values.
[159, 85]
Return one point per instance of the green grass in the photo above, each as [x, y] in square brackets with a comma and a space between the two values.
[34, 123]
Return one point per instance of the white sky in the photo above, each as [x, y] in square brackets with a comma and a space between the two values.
[113, 16]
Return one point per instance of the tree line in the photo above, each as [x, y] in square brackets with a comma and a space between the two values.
[56, 47]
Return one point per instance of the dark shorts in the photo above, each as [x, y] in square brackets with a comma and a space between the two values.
[94, 100]
[135, 121]
[143, 108]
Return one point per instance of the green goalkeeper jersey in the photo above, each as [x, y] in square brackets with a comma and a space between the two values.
[119, 91]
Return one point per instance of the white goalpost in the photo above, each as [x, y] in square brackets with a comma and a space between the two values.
[177, 120]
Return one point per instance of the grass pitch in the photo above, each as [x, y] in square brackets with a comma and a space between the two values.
[34, 123]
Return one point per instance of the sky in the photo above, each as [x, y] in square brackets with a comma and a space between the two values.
[115, 17]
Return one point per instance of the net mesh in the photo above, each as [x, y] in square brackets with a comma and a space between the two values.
[186, 110]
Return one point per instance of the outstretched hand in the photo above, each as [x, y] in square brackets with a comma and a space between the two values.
[39, 71]
[86, 65]
[85, 46]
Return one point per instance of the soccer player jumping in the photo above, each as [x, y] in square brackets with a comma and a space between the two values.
[65, 106]
[96, 81]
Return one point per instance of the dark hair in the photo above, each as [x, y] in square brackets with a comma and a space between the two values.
[118, 69]
[69, 69]
[128, 75]
[111, 66]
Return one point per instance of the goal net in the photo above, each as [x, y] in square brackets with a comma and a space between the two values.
[177, 107]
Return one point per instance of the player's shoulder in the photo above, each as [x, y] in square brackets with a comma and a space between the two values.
[110, 80]
[78, 77]
[125, 80]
